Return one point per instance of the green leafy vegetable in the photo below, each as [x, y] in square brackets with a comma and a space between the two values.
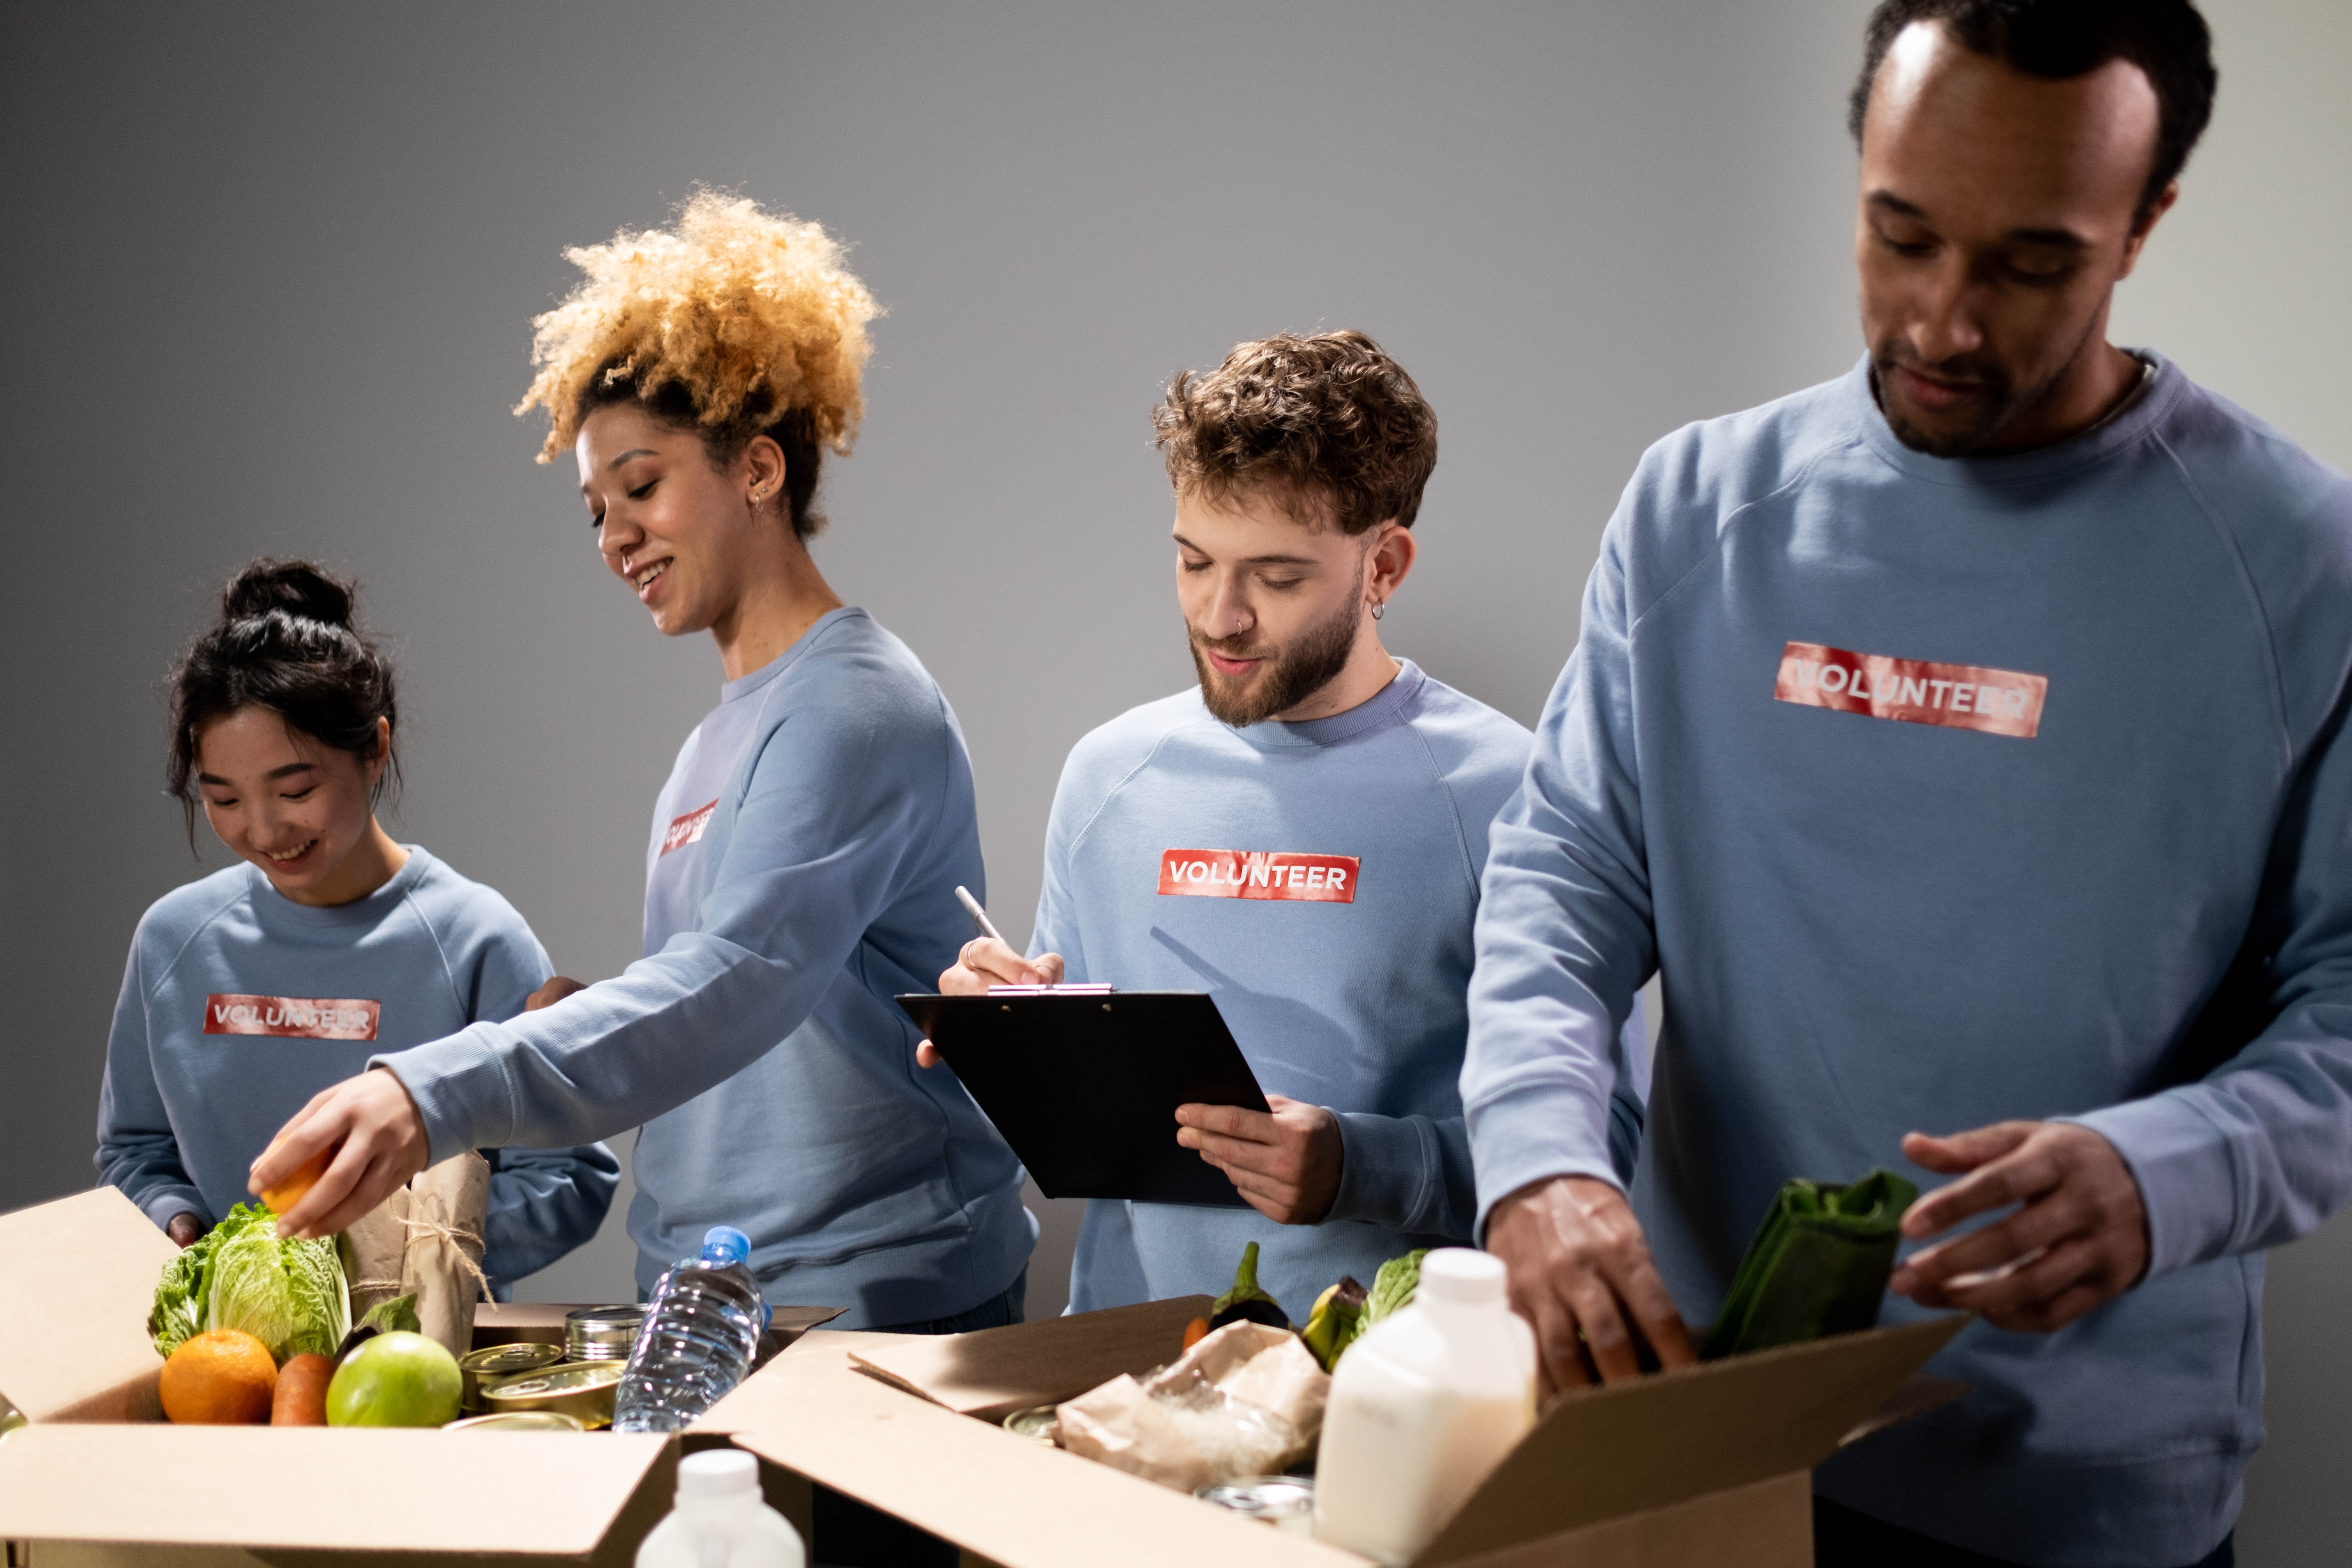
[289, 1295]
[1818, 1265]
[1393, 1286]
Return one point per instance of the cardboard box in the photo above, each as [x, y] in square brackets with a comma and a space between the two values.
[99, 1478]
[1710, 1465]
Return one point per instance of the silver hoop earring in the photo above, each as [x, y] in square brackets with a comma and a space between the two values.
[1379, 610]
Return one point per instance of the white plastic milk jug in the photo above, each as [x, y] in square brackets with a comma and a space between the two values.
[719, 1521]
[1422, 1407]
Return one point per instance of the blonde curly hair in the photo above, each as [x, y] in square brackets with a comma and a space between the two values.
[739, 322]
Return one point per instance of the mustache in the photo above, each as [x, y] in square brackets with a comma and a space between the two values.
[1968, 369]
[1229, 648]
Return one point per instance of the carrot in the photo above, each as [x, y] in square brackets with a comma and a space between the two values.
[301, 1397]
[1195, 1331]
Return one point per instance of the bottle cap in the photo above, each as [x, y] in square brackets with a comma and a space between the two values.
[724, 1244]
[718, 1473]
[1458, 1274]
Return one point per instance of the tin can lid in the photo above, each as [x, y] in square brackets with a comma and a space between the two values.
[601, 1333]
[519, 1421]
[499, 1360]
[575, 1377]
[1263, 1497]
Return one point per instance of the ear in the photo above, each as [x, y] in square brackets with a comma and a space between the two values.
[2146, 227]
[1389, 560]
[373, 768]
[762, 471]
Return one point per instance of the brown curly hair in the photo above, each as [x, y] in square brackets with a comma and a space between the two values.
[739, 324]
[1328, 425]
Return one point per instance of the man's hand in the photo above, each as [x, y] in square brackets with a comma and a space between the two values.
[184, 1229]
[554, 990]
[379, 1139]
[1581, 1273]
[985, 962]
[2080, 1240]
[1285, 1166]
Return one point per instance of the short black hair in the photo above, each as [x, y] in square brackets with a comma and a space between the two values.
[2060, 39]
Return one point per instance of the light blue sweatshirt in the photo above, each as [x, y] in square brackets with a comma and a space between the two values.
[2123, 896]
[1318, 880]
[802, 872]
[238, 1005]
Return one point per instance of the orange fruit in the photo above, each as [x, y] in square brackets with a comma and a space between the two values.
[222, 1377]
[291, 1191]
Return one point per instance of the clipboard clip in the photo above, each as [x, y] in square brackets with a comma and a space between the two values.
[1082, 989]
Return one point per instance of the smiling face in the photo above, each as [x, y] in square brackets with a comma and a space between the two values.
[1274, 609]
[298, 809]
[1997, 212]
[683, 532]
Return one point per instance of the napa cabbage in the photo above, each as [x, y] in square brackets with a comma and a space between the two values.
[289, 1295]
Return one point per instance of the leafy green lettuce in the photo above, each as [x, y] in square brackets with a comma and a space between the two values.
[289, 1295]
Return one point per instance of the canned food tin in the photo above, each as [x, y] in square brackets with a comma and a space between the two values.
[1038, 1424]
[519, 1421]
[501, 1361]
[584, 1389]
[1285, 1502]
[600, 1333]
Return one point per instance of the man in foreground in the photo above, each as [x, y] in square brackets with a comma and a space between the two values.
[1961, 739]
[1302, 837]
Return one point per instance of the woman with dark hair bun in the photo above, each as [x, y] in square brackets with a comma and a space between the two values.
[250, 990]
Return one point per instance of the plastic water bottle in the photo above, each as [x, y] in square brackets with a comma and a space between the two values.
[701, 1329]
[719, 1521]
[1422, 1408]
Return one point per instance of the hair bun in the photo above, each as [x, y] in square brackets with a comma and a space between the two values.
[298, 588]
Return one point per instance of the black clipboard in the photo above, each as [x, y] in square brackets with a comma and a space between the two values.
[1084, 1085]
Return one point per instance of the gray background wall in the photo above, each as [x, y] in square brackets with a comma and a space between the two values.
[268, 271]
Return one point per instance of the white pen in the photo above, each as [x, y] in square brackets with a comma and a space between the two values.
[978, 916]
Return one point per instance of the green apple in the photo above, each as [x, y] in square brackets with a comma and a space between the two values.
[397, 1379]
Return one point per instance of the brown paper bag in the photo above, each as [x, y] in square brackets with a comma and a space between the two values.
[425, 1240]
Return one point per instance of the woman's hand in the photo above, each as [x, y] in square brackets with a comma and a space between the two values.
[554, 990]
[985, 962]
[184, 1229]
[378, 1136]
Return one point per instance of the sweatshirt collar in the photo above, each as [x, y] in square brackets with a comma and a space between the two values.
[743, 686]
[275, 906]
[1274, 734]
[2148, 409]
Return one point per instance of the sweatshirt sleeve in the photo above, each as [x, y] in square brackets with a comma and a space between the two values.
[2259, 1151]
[837, 801]
[137, 1150]
[1564, 935]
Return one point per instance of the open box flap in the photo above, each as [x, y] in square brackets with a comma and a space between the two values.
[1601, 1452]
[77, 1277]
[1006, 1498]
[550, 1494]
[991, 1372]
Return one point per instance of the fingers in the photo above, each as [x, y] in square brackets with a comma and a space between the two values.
[928, 1055]
[1654, 1312]
[554, 990]
[1233, 1120]
[2032, 1229]
[1965, 1151]
[985, 962]
[296, 1142]
[2012, 1178]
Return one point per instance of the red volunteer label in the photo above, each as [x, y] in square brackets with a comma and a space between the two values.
[688, 829]
[304, 1017]
[1258, 874]
[1913, 690]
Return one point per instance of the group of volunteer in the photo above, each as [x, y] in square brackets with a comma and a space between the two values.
[1960, 740]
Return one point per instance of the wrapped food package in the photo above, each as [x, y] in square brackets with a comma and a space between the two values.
[1818, 1265]
[425, 1240]
[1247, 1400]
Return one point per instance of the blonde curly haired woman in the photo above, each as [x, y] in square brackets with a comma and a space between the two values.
[804, 853]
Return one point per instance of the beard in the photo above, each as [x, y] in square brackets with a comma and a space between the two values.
[1291, 676]
[1999, 402]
